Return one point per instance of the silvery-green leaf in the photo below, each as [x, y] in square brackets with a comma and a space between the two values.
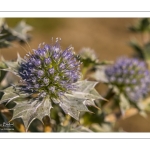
[69, 110]
[13, 66]
[85, 86]
[72, 105]
[30, 110]
[89, 95]
[19, 33]
[44, 109]
[21, 30]
[77, 101]
[124, 103]
[90, 103]
[9, 95]
[86, 90]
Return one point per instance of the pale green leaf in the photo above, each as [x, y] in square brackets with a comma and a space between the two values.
[72, 105]
[124, 103]
[85, 86]
[13, 66]
[9, 95]
[77, 101]
[30, 110]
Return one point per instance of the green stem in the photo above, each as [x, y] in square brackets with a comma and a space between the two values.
[84, 71]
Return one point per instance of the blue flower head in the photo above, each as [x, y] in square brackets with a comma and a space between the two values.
[130, 76]
[50, 71]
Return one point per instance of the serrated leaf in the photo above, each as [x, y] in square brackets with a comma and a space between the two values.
[44, 109]
[13, 66]
[93, 94]
[72, 103]
[78, 100]
[10, 94]
[19, 33]
[85, 86]
[29, 111]
[86, 90]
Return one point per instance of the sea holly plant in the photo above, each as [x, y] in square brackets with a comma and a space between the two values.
[48, 75]
[130, 80]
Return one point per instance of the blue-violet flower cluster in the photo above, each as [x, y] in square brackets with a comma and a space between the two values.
[50, 71]
[130, 76]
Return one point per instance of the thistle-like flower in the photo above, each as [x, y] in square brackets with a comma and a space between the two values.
[86, 53]
[88, 56]
[50, 71]
[48, 75]
[131, 77]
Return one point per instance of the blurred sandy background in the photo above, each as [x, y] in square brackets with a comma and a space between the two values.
[109, 37]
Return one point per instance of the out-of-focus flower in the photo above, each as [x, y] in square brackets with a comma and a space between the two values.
[88, 56]
[86, 53]
[49, 75]
[130, 76]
